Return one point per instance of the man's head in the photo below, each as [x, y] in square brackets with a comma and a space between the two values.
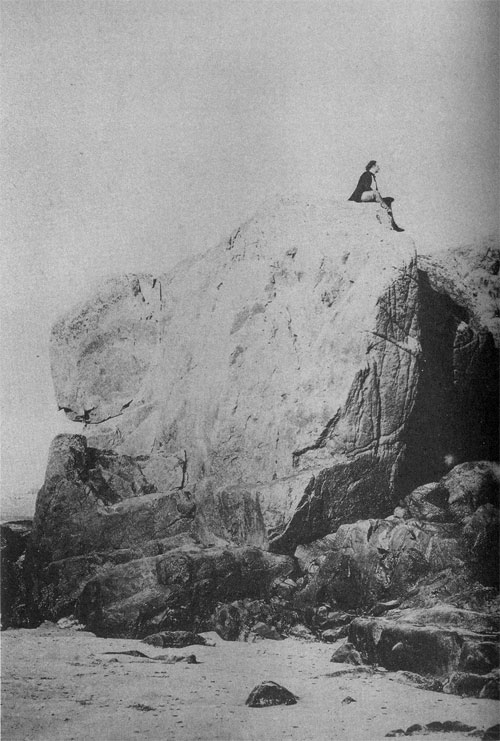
[372, 166]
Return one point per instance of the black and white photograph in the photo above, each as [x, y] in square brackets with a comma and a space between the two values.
[249, 347]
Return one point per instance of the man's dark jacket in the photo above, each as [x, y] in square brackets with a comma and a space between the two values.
[364, 183]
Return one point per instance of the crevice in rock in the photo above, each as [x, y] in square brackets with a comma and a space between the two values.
[320, 441]
[455, 417]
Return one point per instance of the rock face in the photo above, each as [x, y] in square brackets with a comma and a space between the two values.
[14, 537]
[128, 560]
[302, 374]
[293, 384]
[453, 546]
[439, 643]
[435, 580]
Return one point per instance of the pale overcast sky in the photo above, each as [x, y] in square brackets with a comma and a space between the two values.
[136, 133]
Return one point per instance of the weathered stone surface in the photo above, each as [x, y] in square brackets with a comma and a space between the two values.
[473, 685]
[469, 486]
[371, 563]
[347, 654]
[177, 590]
[127, 559]
[426, 644]
[242, 620]
[270, 693]
[302, 375]
[376, 560]
[95, 500]
[417, 680]
[470, 276]
[14, 538]
[435, 726]
[334, 381]
[332, 635]
[175, 639]
[492, 733]
[427, 502]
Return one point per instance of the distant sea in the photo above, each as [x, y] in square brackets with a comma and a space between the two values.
[18, 506]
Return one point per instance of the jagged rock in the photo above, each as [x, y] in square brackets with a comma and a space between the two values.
[125, 558]
[469, 486]
[97, 501]
[347, 654]
[415, 728]
[479, 658]
[302, 632]
[492, 733]
[228, 622]
[177, 590]
[270, 693]
[417, 680]
[348, 700]
[397, 732]
[231, 514]
[298, 286]
[440, 644]
[297, 377]
[332, 635]
[469, 684]
[377, 562]
[262, 630]
[174, 639]
[436, 726]
[242, 620]
[427, 502]
[373, 561]
[449, 726]
[381, 607]
[14, 538]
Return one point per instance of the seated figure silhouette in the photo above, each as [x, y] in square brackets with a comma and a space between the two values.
[367, 191]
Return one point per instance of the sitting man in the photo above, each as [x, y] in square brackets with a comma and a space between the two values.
[367, 191]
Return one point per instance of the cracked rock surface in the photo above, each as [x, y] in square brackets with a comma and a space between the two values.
[307, 365]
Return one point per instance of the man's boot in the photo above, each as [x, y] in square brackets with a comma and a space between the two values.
[388, 206]
[394, 225]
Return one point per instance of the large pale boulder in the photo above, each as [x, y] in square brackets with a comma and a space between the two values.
[300, 375]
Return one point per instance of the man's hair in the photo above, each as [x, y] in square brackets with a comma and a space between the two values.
[370, 164]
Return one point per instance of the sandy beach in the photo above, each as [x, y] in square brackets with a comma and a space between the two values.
[62, 685]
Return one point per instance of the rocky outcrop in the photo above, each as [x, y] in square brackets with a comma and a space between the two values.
[459, 647]
[449, 550]
[178, 590]
[286, 389]
[128, 560]
[303, 374]
[433, 579]
[14, 537]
